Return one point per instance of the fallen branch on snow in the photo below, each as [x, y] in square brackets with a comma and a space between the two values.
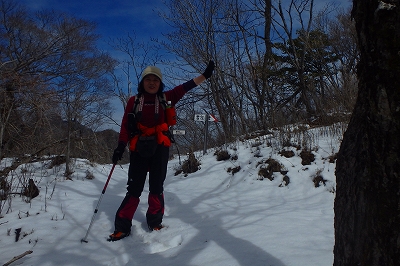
[18, 257]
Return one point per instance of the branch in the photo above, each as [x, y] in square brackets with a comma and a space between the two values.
[18, 257]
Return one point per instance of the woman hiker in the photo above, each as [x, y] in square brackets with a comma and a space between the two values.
[145, 128]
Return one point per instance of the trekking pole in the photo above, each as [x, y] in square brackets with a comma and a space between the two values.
[98, 204]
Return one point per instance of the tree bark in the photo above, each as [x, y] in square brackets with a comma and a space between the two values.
[367, 204]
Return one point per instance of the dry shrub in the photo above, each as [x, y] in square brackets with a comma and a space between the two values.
[31, 191]
[267, 172]
[234, 170]
[332, 158]
[222, 155]
[57, 161]
[274, 165]
[190, 165]
[285, 181]
[307, 157]
[318, 179]
[5, 189]
[255, 134]
[264, 173]
[89, 175]
[287, 154]
[256, 144]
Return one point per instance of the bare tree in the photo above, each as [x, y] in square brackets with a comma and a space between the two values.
[20, 88]
[227, 32]
[274, 65]
[343, 37]
[297, 17]
[252, 45]
[137, 56]
[85, 105]
[46, 56]
[367, 212]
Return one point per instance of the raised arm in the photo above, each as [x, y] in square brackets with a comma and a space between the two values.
[207, 73]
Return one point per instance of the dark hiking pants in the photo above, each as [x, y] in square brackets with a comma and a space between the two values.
[138, 168]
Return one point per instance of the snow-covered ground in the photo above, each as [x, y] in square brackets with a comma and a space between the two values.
[212, 216]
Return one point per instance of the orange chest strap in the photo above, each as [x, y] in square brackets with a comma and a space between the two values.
[158, 131]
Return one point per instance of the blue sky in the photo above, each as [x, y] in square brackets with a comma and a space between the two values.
[114, 18]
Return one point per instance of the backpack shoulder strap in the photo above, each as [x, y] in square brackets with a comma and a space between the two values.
[163, 100]
[135, 105]
[133, 118]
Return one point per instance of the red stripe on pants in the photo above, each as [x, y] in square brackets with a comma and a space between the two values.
[128, 210]
[156, 204]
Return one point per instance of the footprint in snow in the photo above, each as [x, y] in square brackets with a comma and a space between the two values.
[157, 242]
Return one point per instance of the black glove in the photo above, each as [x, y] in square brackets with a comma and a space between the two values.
[118, 152]
[209, 70]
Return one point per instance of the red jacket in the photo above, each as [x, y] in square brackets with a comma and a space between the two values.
[148, 111]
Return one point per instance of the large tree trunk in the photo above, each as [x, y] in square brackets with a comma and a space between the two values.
[367, 204]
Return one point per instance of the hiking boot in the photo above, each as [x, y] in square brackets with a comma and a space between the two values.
[156, 228]
[117, 236]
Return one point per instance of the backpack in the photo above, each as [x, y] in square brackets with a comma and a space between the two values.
[169, 115]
